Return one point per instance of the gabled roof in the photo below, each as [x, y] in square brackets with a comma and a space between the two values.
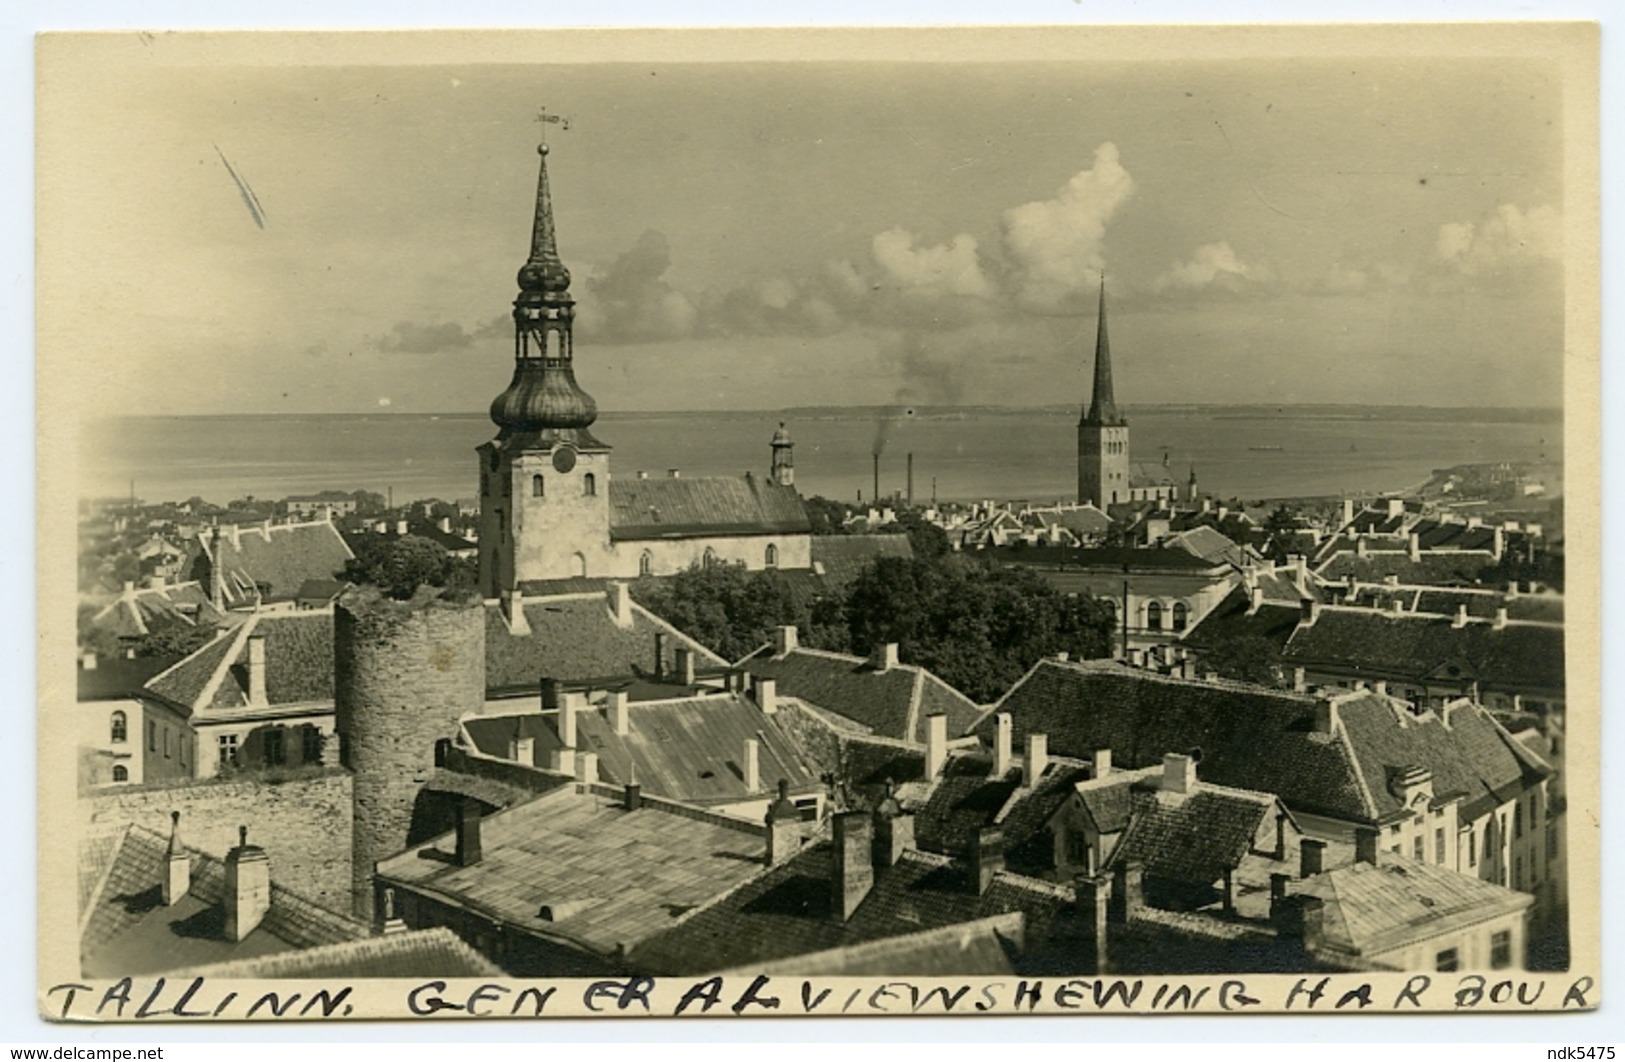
[1374, 908]
[574, 638]
[118, 678]
[298, 664]
[893, 703]
[840, 558]
[1113, 559]
[1208, 544]
[1520, 654]
[1191, 838]
[135, 613]
[1109, 800]
[1435, 568]
[282, 555]
[693, 508]
[986, 947]
[1234, 617]
[436, 952]
[967, 797]
[1085, 521]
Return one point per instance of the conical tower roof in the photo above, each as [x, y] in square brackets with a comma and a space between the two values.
[1103, 402]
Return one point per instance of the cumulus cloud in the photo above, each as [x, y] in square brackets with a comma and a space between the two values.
[1055, 246]
[1508, 236]
[1212, 266]
[951, 268]
[630, 301]
[1358, 279]
[416, 337]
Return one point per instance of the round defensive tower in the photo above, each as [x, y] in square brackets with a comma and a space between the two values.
[404, 672]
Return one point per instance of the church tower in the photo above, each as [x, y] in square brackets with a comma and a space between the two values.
[1103, 468]
[544, 479]
[783, 470]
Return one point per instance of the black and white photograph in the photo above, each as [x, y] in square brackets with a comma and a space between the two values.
[1074, 520]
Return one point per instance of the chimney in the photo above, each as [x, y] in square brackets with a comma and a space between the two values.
[1178, 773]
[1397, 606]
[248, 887]
[587, 768]
[883, 657]
[1413, 546]
[1280, 892]
[1280, 836]
[876, 494]
[674, 473]
[936, 744]
[1512, 590]
[783, 827]
[767, 694]
[784, 639]
[1396, 506]
[620, 604]
[1094, 896]
[683, 665]
[391, 921]
[1348, 511]
[642, 474]
[1100, 763]
[467, 851]
[569, 704]
[1002, 737]
[1381, 686]
[1128, 891]
[217, 572]
[1498, 545]
[634, 796]
[1308, 611]
[1325, 715]
[986, 857]
[178, 870]
[1461, 617]
[564, 761]
[1360, 547]
[854, 866]
[1501, 617]
[1300, 680]
[522, 746]
[1255, 600]
[445, 525]
[660, 654]
[129, 590]
[753, 765]
[1365, 844]
[87, 661]
[1037, 759]
[620, 712]
[894, 829]
[513, 610]
[1311, 857]
[400, 528]
[256, 669]
[911, 479]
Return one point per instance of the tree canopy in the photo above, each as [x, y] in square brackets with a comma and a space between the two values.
[398, 566]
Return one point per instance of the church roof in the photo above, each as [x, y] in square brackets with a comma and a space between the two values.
[698, 508]
[1103, 402]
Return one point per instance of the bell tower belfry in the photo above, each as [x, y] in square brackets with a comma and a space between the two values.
[1103, 462]
[544, 479]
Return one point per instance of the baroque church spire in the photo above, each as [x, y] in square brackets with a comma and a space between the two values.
[1103, 403]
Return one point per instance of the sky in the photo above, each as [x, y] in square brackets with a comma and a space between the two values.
[344, 238]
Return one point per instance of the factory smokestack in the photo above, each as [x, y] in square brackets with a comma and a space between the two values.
[876, 494]
[911, 479]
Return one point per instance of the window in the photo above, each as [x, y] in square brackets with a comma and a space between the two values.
[1447, 960]
[710, 559]
[1438, 845]
[1396, 849]
[119, 724]
[228, 750]
[646, 563]
[772, 556]
[1517, 820]
[1501, 949]
[152, 736]
[1180, 615]
[538, 489]
[275, 752]
[166, 743]
[589, 484]
[1551, 840]
[121, 773]
[181, 743]
[310, 745]
[1077, 848]
[1517, 872]
[1418, 849]
[1153, 615]
[1472, 849]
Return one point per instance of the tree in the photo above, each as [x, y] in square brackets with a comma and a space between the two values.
[175, 638]
[927, 540]
[826, 516]
[399, 566]
[1245, 658]
[734, 612]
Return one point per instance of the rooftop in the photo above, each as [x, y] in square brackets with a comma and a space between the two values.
[298, 664]
[685, 508]
[282, 556]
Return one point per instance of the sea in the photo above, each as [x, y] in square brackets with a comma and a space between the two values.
[959, 454]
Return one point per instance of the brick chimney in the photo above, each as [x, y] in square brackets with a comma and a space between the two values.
[1255, 600]
[445, 524]
[1500, 618]
[1128, 891]
[1461, 617]
[1365, 844]
[1093, 902]
[513, 610]
[620, 713]
[783, 827]
[587, 768]
[1396, 506]
[400, 528]
[633, 796]
[1308, 611]
[256, 670]
[1498, 544]
[986, 857]
[1311, 857]
[894, 829]
[1325, 715]
[620, 604]
[1178, 773]
[178, 864]
[1300, 680]
[936, 744]
[392, 921]
[248, 887]
[1003, 756]
[767, 695]
[784, 639]
[1413, 546]
[854, 866]
[1100, 763]
[1348, 512]
[569, 704]
[1037, 758]
[1360, 546]
[467, 837]
[521, 746]
[683, 665]
[883, 657]
[753, 765]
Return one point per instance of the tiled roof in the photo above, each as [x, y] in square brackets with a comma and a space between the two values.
[634, 873]
[1208, 544]
[1191, 838]
[891, 703]
[986, 947]
[1384, 643]
[1440, 568]
[685, 508]
[419, 953]
[1109, 800]
[1250, 737]
[1084, 521]
[966, 797]
[1111, 558]
[1274, 620]
[842, 557]
[786, 911]
[1372, 908]
[115, 678]
[1541, 608]
[575, 638]
[185, 682]
[283, 555]
[136, 613]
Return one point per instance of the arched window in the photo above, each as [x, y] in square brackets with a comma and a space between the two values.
[121, 773]
[120, 727]
[1153, 615]
[1180, 615]
[537, 488]
[772, 556]
[589, 484]
[581, 565]
[646, 563]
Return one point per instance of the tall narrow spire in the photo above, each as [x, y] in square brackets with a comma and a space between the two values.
[1103, 403]
[544, 271]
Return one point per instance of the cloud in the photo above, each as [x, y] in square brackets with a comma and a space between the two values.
[631, 302]
[413, 337]
[1212, 266]
[1341, 279]
[1507, 237]
[1056, 246]
[951, 268]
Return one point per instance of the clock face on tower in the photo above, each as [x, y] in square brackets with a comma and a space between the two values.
[564, 459]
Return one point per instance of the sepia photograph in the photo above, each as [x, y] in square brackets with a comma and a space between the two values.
[827, 522]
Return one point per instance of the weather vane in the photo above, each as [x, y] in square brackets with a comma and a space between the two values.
[545, 120]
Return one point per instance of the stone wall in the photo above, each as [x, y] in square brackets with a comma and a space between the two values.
[404, 674]
[302, 822]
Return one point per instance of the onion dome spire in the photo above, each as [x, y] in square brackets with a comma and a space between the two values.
[1103, 403]
[543, 405]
